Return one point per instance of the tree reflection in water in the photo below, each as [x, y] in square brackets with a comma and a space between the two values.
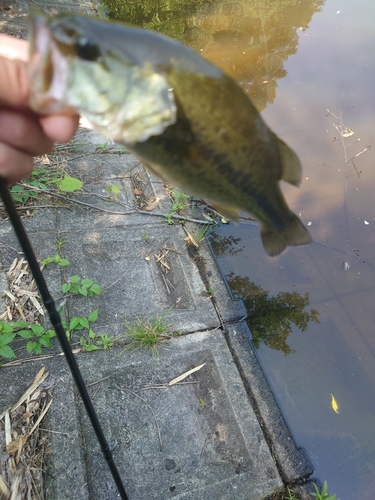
[271, 319]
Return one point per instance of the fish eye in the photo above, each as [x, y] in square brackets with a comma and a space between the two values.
[87, 50]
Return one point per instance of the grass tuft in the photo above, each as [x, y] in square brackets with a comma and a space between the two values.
[148, 332]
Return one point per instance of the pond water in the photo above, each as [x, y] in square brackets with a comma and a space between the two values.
[327, 93]
[310, 68]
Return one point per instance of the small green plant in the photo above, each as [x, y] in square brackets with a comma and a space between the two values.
[22, 194]
[39, 178]
[59, 243]
[290, 494]
[200, 235]
[102, 147]
[57, 259]
[148, 332]
[113, 190]
[70, 184]
[103, 9]
[42, 177]
[88, 344]
[38, 337]
[323, 495]
[121, 151]
[169, 217]
[105, 341]
[86, 287]
[180, 203]
[78, 323]
[180, 200]
[93, 341]
[7, 334]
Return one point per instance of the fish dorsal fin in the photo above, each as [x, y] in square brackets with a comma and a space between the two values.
[226, 210]
[291, 166]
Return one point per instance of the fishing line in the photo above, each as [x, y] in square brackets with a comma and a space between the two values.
[60, 332]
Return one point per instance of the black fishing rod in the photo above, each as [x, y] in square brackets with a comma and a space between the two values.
[60, 332]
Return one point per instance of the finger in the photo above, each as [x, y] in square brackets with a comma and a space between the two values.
[14, 48]
[24, 132]
[14, 86]
[14, 164]
[59, 128]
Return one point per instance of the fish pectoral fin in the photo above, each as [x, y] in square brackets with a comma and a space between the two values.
[290, 164]
[293, 234]
[226, 210]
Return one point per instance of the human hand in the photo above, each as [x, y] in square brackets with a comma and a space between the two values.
[23, 133]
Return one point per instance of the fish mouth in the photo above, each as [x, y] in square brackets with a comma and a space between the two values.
[48, 70]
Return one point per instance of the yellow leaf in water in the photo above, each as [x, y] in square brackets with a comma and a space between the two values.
[334, 404]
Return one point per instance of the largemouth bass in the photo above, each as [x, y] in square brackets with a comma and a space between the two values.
[183, 117]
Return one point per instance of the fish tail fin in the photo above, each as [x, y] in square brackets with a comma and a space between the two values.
[293, 234]
[291, 166]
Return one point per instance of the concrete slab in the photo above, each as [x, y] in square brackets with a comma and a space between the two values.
[126, 266]
[197, 439]
[293, 463]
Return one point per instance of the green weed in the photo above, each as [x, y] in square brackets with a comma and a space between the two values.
[179, 203]
[102, 147]
[148, 333]
[180, 200]
[59, 243]
[92, 341]
[42, 178]
[70, 184]
[113, 190]
[105, 341]
[103, 9]
[318, 495]
[323, 495]
[38, 337]
[86, 287]
[200, 235]
[291, 494]
[22, 194]
[57, 259]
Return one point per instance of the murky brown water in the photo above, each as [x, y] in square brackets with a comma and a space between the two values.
[333, 69]
[310, 67]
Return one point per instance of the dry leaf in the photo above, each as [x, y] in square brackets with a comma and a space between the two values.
[151, 204]
[13, 265]
[186, 374]
[4, 488]
[39, 375]
[17, 444]
[27, 415]
[45, 160]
